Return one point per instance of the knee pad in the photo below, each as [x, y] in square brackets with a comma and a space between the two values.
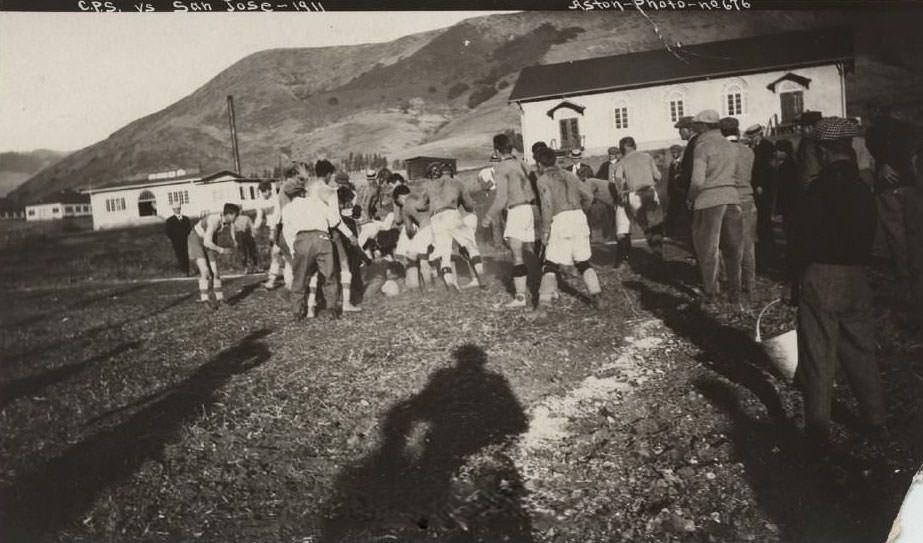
[583, 266]
[520, 270]
[444, 270]
[475, 260]
[550, 267]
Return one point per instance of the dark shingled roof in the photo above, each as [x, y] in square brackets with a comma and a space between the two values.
[708, 60]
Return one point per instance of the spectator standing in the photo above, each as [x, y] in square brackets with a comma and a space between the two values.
[836, 230]
[716, 216]
[765, 193]
[749, 211]
[786, 178]
[677, 218]
[177, 228]
[606, 167]
[808, 155]
[577, 165]
[891, 142]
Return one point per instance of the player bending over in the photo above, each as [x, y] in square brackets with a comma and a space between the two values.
[203, 248]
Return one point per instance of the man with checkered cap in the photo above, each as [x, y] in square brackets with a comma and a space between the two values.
[835, 234]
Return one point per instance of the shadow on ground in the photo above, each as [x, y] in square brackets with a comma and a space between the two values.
[845, 495]
[43, 501]
[28, 386]
[410, 488]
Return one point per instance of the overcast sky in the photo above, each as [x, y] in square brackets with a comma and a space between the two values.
[68, 80]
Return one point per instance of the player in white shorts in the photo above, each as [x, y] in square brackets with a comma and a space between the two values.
[566, 232]
[516, 195]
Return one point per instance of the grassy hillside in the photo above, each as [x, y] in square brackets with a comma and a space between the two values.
[440, 92]
[17, 168]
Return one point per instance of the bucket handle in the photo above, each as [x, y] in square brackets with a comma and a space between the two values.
[759, 338]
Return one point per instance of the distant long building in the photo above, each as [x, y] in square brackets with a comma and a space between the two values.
[151, 201]
[61, 205]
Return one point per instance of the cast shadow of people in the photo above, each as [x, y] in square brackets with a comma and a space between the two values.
[42, 501]
[33, 384]
[830, 498]
[725, 349]
[413, 487]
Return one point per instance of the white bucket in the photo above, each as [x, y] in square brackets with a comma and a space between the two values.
[908, 526]
[782, 350]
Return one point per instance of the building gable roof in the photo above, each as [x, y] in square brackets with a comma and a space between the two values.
[795, 78]
[568, 105]
[708, 60]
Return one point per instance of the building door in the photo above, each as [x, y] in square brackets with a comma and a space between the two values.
[147, 204]
[792, 106]
[570, 134]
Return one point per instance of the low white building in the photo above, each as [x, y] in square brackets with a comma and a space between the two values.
[63, 205]
[769, 80]
[152, 200]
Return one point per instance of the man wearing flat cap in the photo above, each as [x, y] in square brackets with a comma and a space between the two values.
[807, 156]
[835, 234]
[717, 225]
[606, 167]
[687, 132]
[730, 129]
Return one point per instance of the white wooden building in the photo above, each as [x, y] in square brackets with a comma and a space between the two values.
[152, 200]
[63, 205]
[769, 80]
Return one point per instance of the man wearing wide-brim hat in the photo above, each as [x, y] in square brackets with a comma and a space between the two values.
[577, 166]
[835, 233]
[717, 226]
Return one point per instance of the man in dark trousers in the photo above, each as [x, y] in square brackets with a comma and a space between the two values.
[764, 195]
[890, 141]
[177, 228]
[835, 233]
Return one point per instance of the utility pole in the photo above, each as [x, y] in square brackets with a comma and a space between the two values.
[233, 123]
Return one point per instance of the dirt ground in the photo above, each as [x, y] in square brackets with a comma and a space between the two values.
[131, 413]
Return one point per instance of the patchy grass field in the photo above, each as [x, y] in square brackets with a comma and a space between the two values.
[130, 413]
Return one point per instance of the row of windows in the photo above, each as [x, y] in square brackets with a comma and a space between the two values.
[77, 209]
[732, 104]
[178, 197]
[115, 204]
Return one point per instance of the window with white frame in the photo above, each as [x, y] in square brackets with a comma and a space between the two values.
[243, 194]
[178, 197]
[621, 115]
[31, 212]
[676, 103]
[115, 204]
[252, 192]
[733, 100]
